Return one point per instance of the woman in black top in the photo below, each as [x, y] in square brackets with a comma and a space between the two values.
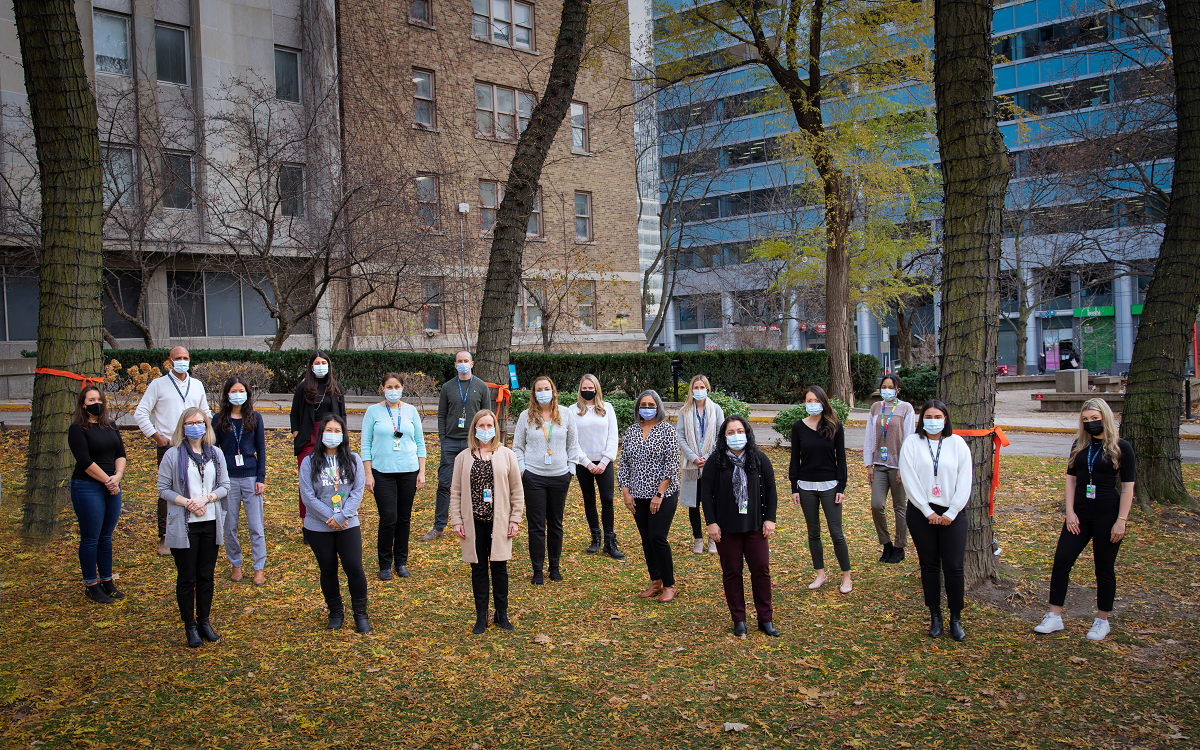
[737, 491]
[1099, 494]
[317, 396]
[96, 490]
[817, 475]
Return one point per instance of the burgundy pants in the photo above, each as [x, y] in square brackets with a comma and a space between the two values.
[753, 548]
[162, 504]
[309, 447]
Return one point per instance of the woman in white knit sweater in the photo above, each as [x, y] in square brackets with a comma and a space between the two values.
[597, 422]
[935, 467]
[697, 424]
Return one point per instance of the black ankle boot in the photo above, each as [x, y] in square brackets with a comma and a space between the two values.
[110, 588]
[594, 547]
[935, 622]
[501, 619]
[897, 555]
[361, 623]
[337, 615]
[536, 580]
[192, 635]
[555, 574]
[96, 594]
[481, 622]
[956, 628]
[886, 555]
[207, 632]
[610, 546]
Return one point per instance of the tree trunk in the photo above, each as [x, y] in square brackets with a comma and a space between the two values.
[70, 282]
[512, 218]
[1153, 395]
[975, 169]
[1022, 338]
[904, 326]
[838, 330]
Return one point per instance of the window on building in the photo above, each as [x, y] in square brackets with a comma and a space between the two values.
[119, 184]
[503, 21]
[528, 313]
[171, 54]
[427, 201]
[583, 217]
[287, 74]
[291, 190]
[418, 10]
[1143, 286]
[121, 292]
[185, 295]
[431, 310]
[217, 304]
[177, 181]
[534, 228]
[585, 294]
[424, 111]
[699, 311]
[693, 342]
[500, 112]
[110, 36]
[490, 195]
[579, 127]
[20, 309]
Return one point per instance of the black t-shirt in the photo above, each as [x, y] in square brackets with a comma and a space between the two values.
[1102, 474]
[95, 445]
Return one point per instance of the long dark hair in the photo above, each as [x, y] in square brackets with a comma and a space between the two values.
[83, 419]
[225, 413]
[332, 387]
[344, 458]
[828, 426]
[933, 403]
[752, 454]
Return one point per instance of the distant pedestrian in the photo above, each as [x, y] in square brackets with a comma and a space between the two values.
[889, 423]
[241, 435]
[99, 453]
[697, 424]
[318, 396]
[817, 474]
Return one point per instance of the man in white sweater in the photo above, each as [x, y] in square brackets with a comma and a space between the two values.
[157, 415]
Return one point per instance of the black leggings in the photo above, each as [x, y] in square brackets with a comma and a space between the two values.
[694, 515]
[479, 571]
[1104, 554]
[394, 495]
[941, 550]
[654, 528]
[588, 484]
[545, 500]
[196, 565]
[345, 545]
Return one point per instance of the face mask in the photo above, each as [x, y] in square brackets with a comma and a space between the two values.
[736, 442]
[393, 395]
[463, 368]
[181, 365]
[237, 398]
[813, 409]
[1095, 429]
[647, 413]
[195, 431]
[587, 395]
[320, 370]
[887, 394]
[699, 394]
[935, 426]
[544, 397]
[484, 436]
[331, 439]
[95, 409]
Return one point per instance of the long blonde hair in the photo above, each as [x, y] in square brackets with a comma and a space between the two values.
[689, 403]
[535, 408]
[597, 402]
[210, 437]
[1109, 438]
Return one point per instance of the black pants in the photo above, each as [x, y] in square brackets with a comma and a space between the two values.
[441, 507]
[812, 503]
[345, 545]
[545, 501]
[588, 484]
[194, 576]
[479, 571]
[394, 495]
[694, 516]
[1104, 554]
[654, 528]
[941, 550]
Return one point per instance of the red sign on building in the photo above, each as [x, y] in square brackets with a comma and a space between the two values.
[820, 328]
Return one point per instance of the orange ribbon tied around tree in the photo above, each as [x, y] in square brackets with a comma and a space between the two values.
[999, 439]
[87, 379]
[503, 399]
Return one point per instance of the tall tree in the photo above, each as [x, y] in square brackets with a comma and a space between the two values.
[975, 174]
[503, 281]
[70, 262]
[1150, 421]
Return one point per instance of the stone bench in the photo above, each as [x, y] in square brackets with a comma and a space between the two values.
[1073, 402]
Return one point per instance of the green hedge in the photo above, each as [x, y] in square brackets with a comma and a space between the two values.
[787, 417]
[918, 384]
[621, 404]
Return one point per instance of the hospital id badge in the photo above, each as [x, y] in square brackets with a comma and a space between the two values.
[937, 491]
[883, 454]
[395, 444]
[1091, 491]
[487, 497]
[549, 460]
[238, 460]
[462, 422]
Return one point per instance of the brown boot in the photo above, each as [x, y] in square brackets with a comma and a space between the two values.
[655, 589]
[668, 594]
[260, 577]
[236, 575]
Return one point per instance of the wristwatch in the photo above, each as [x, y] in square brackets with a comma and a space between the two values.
[658, 495]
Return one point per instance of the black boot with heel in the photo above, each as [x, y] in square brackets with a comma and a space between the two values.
[361, 623]
[935, 622]
[610, 546]
[594, 547]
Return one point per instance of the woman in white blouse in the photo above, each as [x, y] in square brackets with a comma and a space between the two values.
[697, 424]
[935, 466]
[597, 423]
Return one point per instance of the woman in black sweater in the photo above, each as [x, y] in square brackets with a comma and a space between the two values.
[317, 396]
[817, 475]
[737, 491]
[96, 490]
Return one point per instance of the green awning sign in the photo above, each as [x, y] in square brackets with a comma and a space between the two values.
[1107, 311]
[1135, 309]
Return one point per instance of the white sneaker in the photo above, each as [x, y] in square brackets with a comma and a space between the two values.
[1051, 623]
[698, 547]
[1100, 628]
[712, 547]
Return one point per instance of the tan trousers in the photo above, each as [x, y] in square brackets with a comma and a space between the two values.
[882, 479]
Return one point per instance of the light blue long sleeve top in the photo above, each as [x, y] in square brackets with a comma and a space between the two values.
[377, 439]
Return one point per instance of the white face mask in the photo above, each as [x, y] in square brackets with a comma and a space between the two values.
[737, 441]
[813, 409]
[320, 370]
[484, 436]
[331, 439]
[544, 397]
[181, 365]
[237, 398]
[463, 368]
[935, 426]
[887, 394]
[699, 394]
[393, 395]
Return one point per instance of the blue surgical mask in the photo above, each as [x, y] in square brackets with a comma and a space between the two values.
[195, 431]
[393, 395]
[484, 436]
[237, 398]
[181, 365]
[813, 409]
[699, 394]
[736, 441]
[463, 368]
[647, 413]
[935, 426]
[331, 439]
[320, 370]
[887, 394]
[544, 397]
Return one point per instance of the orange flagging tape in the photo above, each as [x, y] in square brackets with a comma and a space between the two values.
[87, 380]
[999, 440]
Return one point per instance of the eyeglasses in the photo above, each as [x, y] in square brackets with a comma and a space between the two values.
[193, 424]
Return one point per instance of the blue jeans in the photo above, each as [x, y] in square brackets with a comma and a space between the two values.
[98, 512]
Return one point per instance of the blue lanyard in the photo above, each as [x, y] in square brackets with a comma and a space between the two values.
[396, 419]
[182, 394]
[1092, 462]
[237, 434]
[461, 395]
[702, 420]
[939, 455]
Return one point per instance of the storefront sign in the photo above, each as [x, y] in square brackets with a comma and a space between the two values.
[820, 328]
[1106, 311]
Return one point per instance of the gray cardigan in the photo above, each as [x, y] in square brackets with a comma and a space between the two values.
[170, 489]
[529, 443]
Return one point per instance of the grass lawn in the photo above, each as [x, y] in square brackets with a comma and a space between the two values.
[613, 670]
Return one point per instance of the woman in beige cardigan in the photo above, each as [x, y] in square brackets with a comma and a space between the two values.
[486, 503]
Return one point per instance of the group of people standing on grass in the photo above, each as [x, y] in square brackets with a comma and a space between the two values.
[211, 468]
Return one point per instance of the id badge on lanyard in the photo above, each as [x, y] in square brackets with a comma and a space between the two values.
[883, 453]
[1091, 488]
[239, 460]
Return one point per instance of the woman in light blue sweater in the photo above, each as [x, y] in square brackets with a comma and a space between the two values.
[393, 455]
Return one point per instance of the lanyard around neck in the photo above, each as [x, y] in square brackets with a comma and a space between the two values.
[1092, 460]
[888, 419]
[932, 457]
[184, 393]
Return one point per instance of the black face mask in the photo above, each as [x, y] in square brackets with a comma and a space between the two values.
[587, 395]
[95, 409]
[1095, 428]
